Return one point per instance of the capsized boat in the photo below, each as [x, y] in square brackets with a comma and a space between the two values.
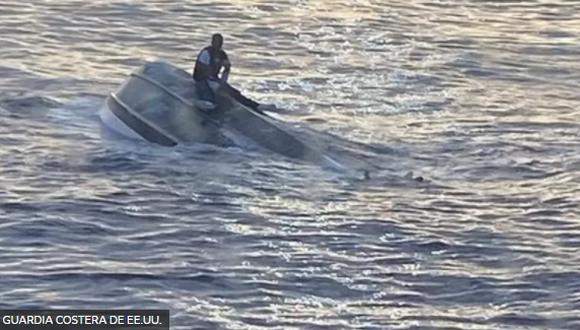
[159, 103]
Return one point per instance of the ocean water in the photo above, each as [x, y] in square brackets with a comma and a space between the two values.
[480, 98]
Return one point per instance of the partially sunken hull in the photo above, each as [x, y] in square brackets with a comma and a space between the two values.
[158, 103]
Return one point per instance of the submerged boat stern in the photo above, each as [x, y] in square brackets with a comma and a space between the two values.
[157, 103]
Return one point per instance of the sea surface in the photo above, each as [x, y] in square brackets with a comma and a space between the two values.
[479, 98]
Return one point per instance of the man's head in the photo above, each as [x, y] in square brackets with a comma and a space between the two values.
[217, 41]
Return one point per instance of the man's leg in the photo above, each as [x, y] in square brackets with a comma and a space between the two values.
[204, 92]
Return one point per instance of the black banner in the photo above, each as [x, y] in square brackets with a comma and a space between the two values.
[84, 319]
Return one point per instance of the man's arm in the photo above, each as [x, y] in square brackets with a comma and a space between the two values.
[203, 63]
[226, 73]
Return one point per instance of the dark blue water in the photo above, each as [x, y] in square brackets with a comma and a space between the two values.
[478, 97]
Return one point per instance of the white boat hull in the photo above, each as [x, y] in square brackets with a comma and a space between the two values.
[158, 103]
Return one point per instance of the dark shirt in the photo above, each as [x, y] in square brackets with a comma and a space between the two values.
[215, 60]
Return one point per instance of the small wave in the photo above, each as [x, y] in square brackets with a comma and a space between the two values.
[28, 106]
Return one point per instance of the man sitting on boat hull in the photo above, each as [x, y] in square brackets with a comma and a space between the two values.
[208, 69]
